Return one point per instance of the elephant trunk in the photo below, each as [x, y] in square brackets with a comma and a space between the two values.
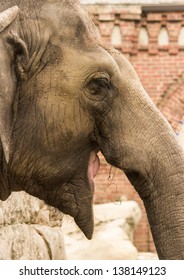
[159, 180]
[135, 137]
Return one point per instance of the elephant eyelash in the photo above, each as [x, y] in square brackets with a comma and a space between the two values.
[102, 82]
[98, 84]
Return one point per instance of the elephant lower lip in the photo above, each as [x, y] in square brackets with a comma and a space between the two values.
[93, 166]
[85, 227]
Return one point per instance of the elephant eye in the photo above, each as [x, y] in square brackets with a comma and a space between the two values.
[99, 85]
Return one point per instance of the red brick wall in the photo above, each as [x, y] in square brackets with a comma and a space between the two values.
[161, 70]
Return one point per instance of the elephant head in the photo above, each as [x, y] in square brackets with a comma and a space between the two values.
[64, 97]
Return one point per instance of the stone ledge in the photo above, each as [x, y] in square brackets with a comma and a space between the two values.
[21, 207]
[31, 242]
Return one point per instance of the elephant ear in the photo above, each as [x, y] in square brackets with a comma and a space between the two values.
[13, 57]
[12, 50]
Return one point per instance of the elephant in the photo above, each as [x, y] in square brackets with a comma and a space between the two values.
[65, 96]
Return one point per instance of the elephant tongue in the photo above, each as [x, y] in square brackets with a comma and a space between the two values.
[93, 166]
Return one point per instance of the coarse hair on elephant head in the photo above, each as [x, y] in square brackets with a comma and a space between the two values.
[64, 96]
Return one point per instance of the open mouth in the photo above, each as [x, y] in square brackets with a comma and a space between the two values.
[75, 198]
[84, 220]
[93, 166]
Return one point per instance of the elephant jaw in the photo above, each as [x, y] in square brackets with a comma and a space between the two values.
[84, 219]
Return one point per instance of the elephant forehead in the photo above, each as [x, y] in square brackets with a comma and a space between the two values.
[72, 23]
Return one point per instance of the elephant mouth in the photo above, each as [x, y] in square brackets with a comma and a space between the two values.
[84, 219]
[93, 166]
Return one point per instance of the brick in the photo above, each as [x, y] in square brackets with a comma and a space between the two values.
[153, 29]
[173, 51]
[154, 17]
[130, 16]
[174, 16]
[153, 51]
[106, 28]
[106, 17]
[174, 30]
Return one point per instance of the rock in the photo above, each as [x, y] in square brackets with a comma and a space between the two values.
[113, 235]
[128, 211]
[1, 216]
[113, 211]
[147, 256]
[30, 229]
[22, 242]
[21, 207]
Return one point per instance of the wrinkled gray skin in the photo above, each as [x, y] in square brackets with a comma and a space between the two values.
[63, 97]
